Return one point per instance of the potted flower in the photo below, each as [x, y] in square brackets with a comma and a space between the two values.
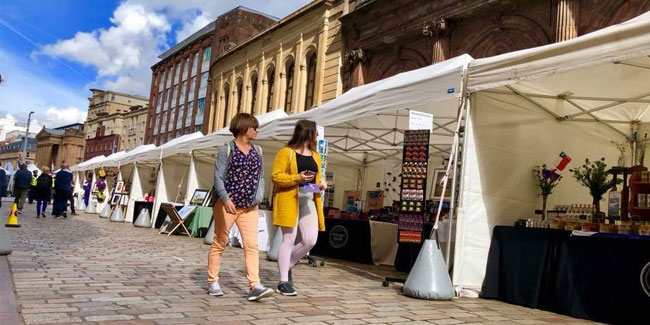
[547, 180]
[593, 175]
[621, 147]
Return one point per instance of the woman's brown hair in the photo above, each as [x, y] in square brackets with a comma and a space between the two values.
[305, 132]
[241, 123]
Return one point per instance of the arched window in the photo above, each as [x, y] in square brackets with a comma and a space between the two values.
[240, 86]
[270, 77]
[226, 101]
[288, 92]
[253, 91]
[311, 76]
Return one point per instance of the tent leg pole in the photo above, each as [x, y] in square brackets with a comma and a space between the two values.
[452, 209]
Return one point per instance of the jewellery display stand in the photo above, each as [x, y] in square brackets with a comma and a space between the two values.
[415, 163]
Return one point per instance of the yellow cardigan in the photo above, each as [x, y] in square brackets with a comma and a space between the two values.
[286, 179]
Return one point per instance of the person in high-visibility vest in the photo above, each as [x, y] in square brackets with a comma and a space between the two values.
[32, 187]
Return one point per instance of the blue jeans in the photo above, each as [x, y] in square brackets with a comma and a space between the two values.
[41, 205]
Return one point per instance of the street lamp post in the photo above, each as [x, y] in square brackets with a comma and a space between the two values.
[29, 120]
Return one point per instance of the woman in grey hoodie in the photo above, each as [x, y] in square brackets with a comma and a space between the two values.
[239, 189]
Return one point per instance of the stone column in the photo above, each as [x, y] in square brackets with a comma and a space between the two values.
[356, 61]
[319, 78]
[568, 12]
[278, 96]
[439, 31]
[298, 70]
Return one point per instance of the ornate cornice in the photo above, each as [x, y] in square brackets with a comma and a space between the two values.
[354, 57]
[437, 28]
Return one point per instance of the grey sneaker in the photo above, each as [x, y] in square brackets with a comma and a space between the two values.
[259, 292]
[214, 289]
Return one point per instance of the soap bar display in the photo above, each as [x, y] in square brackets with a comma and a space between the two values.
[415, 163]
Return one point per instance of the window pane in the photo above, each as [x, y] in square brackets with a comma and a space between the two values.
[183, 88]
[269, 95]
[159, 101]
[311, 75]
[188, 118]
[203, 86]
[170, 125]
[199, 111]
[205, 65]
[177, 73]
[169, 78]
[185, 66]
[173, 96]
[192, 87]
[195, 63]
[289, 89]
[179, 120]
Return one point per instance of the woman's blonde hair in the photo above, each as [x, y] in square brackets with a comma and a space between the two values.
[45, 169]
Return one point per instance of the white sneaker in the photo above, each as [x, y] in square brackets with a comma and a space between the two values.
[214, 289]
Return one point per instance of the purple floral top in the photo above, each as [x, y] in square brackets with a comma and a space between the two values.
[243, 176]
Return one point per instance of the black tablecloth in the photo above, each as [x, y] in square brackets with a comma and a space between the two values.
[138, 206]
[345, 239]
[597, 277]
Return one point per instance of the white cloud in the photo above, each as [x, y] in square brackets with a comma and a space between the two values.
[191, 26]
[140, 31]
[29, 87]
[55, 116]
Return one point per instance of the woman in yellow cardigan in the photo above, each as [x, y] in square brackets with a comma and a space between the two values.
[297, 204]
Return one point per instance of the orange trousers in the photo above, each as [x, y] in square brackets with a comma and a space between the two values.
[247, 221]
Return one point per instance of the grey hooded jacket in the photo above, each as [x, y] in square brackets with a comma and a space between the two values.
[221, 166]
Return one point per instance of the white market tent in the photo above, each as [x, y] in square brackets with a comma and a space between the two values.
[137, 174]
[528, 106]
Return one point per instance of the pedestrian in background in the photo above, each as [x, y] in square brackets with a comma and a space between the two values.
[62, 190]
[43, 192]
[3, 184]
[22, 181]
[87, 183]
[32, 186]
[296, 203]
[71, 200]
[239, 188]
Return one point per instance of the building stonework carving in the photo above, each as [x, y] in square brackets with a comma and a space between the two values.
[417, 33]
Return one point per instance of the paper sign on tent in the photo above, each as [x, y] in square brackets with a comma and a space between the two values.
[563, 161]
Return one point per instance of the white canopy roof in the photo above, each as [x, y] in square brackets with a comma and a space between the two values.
[110, 161]
[565, 79]
[136, 153]
[217, 138]
[86, 164]
[370, 119]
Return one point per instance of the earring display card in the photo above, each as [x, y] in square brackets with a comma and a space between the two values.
[415, 163]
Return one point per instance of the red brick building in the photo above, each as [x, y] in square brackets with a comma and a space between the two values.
[416, 33]
[180, 87]
[101, 145]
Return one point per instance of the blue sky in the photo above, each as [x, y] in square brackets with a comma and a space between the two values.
[52, 52]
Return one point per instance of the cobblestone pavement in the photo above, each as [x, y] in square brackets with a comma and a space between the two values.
[88, 270]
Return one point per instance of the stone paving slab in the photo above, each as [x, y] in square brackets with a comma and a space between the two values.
[87, 270]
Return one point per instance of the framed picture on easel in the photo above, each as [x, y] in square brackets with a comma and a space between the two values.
[116, 198]
[124, 200]
[438, 176]
[119, 187]
[198, 197]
